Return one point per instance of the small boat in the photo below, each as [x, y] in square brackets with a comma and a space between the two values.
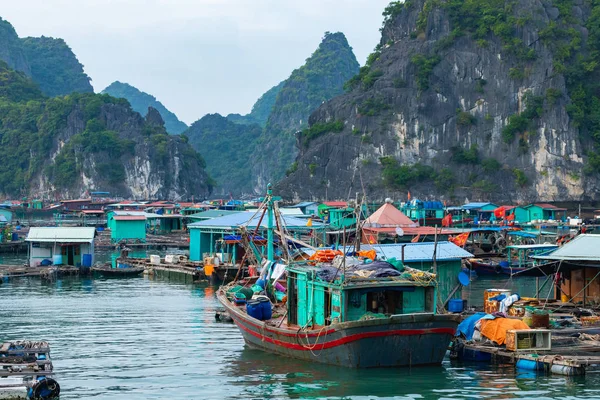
[340, 310]
[122, 270]
[519, 259]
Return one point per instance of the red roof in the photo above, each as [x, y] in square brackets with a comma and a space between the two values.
[388, 216]
[92, 211]
[129, 218]
[335, 203]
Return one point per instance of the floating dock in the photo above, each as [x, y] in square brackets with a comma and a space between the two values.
[569, 354]
[185, 271]
[9, 272]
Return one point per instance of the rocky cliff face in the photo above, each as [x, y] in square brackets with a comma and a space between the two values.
[140, 161]
[140, 101]
[65, 146]
[318, 80]
[459, 100]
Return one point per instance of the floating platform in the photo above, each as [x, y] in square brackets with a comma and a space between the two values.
[569, 354]
[9, 272]
[26, 371]
[186, 271]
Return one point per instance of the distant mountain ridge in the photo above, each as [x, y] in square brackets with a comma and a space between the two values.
[140, 101]
[261, 109]
[48, 61]
[254, 156]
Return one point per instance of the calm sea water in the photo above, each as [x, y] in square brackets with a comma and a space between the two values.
[151, 339]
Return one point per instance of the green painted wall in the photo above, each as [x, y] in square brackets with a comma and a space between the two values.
[128, 230]
[195, 254]
[447, 276]
[522, 215]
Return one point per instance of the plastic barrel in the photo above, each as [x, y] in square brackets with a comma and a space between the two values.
[57, 259]
[15, 237]
[86, 261]
[455, 305]
[254, 309]
[267, 311]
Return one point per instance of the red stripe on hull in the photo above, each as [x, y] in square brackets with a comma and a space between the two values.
[346, 339]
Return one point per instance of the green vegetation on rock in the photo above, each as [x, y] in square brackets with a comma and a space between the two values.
[60, 139]
[140, 101]
[228, 149]
[54, 67]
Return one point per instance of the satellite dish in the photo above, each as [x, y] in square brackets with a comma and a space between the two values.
[399, 231]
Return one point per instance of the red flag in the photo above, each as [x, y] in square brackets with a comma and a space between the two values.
[447, 220]
[416, 239]
[511, 217]
[500, 212]
[408, 196]
[460, 240]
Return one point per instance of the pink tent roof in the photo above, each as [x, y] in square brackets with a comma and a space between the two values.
[388, 216]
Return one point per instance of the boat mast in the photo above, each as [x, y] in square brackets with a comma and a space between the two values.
[270, 255]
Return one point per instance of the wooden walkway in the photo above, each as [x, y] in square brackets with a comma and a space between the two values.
[225, 272]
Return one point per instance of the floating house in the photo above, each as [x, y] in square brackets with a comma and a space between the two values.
[428, 213]
[308, 207]
[75, 205]
[161, 224]
[126, 225]
[69, 246]
[480, 211]
[221, 235]
[539, 212]
[578, 262]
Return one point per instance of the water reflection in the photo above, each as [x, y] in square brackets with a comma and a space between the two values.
[153, 339]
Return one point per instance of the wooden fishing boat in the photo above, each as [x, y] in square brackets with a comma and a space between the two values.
[343, 311]
[122, 270]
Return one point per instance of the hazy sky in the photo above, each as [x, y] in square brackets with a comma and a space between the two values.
[197, 56]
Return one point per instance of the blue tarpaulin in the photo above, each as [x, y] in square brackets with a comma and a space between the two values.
[467, 327]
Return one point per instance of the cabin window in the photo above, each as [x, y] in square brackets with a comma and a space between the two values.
[385, 302]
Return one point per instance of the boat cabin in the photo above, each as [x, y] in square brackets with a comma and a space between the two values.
[313, 301]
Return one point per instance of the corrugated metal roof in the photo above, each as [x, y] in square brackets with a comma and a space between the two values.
[243, 218]
[470, 206]
[584, 247]
[61, 234]
[414, 252]
[212, 214]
